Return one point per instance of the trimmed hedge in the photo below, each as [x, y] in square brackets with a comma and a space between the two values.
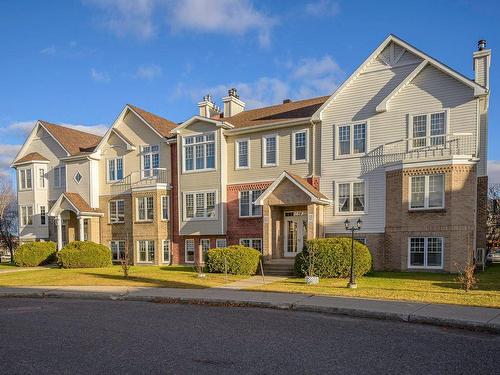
[240, 260]
[33, 254]
[332, 258]
[84, 254]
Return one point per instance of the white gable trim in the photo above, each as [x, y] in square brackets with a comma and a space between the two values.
[194, 119]
[143, 120]
[384, 105]
[478, 89]
[54, 210]
[260, 201]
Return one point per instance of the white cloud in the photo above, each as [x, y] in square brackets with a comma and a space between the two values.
[18, 128]
[307, 78]
[99, 76]
[98, 129]
[7, 155]
[323, 8]
[148, 72]
[48, 50]
[494, 171]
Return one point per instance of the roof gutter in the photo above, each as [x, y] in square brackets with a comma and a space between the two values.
[274, 125]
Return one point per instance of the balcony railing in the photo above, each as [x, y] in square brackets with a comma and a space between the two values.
[140, 179]
[421, 148]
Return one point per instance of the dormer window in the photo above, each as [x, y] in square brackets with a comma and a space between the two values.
[199, 152]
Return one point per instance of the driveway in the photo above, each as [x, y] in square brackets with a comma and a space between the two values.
[53, 336]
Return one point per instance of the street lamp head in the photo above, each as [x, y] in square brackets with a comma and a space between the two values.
[358, 223]
[347, 223]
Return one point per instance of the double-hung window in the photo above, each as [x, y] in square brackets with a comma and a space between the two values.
[242, 154]
[351, 197]
[199, 152]
[255, 243]
[427, 192]
[199, 205]
[270, 150]
[117, 211]
[425, 252]
[115, 169]
[352, 139]
[150, 160]
[41, 178]
[248, 208]
[205, 246]
[189, 251]
[220, 242]
[117, 249]
[299, 148]
[166, 251]
[59, 176]
[428, 129]
[145, 208]
[146, 250]
[25, 179]
[26, 215]
[164, 207]
[43, 215]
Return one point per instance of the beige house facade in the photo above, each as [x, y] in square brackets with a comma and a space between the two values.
[401, 144]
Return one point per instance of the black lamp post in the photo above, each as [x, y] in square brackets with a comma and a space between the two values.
[352, 279]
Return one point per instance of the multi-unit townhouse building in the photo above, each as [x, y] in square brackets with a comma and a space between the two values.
[400, 144]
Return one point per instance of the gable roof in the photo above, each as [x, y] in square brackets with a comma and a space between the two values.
[75, 142]
[315, 195]
[161, 125]
[77, 202]
[478, 89]
[32, 156]
[300, 109]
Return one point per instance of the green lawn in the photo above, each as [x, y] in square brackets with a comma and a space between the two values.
[7, 266]
[151, 276]
[404, 286]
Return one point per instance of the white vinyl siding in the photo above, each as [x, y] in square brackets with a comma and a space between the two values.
[117, 211]
[199, 152]
[25, 179]
[146, 251]
[425, 252]
[300, 146]
[189, 251]
[200, 205]
[427, 192]
[242, 153]
[246, 203]
[270, 150]
[145, 208]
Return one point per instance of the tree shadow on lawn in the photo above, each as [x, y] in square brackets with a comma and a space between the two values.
[152, 282]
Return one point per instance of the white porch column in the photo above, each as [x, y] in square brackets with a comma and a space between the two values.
[81, 227]
[59, 232]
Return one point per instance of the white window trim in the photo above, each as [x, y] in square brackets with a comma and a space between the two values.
[21, 215]
[249, 204]
[25, 179]
[426, 193]
[350, 213]
[237, 153]
[409, 132]
[116, 212]
[220, 239]
[62, 180]
[294, 149]
[44, 178]
[167, 261]
[118, 243]
[141, 155]
[264, 154]
[162, 207]
[190, 240]
[147, 252]
[46, 215]
[81, 177]
[116, 170]
[351, 154]
[145, 220]
[183, 161]
[251, 242]
[184, 211]
[426, 241]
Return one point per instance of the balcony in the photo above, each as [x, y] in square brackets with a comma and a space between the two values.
[431, 148]
[140, 179]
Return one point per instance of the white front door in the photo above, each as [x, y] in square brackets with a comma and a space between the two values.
[295, 232]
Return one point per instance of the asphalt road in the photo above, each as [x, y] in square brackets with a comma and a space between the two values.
[50, 336]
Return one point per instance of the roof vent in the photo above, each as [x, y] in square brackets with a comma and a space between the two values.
[481, 45]
[285, 101]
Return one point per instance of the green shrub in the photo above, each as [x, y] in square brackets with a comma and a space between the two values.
[240, 260]
[332, 258]
[84, 254]
[33, 254]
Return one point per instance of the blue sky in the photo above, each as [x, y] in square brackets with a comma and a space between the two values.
[80, 62]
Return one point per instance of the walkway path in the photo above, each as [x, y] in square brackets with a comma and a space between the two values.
[252, 282]
[23, 269]
[436, 314]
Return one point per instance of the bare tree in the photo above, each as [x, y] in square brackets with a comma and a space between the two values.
[8, 215]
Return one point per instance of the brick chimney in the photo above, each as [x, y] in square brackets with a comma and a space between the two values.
[207, 107]
[232, 103]
[482, 62]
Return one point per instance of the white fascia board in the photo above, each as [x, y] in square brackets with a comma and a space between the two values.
[275, 125]
[108, 133]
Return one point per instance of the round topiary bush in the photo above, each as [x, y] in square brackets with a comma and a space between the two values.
[84, 254]
[33, 254]
[331, 257]
[240, 260]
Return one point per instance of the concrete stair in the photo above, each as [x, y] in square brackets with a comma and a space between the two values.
[279, 267]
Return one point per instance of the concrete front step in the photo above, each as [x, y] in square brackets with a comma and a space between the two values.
[279, 267]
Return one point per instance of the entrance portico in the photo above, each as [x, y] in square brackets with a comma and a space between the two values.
[292, 213]
[74, 219]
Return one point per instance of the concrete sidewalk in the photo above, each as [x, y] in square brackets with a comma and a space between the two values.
[476, 318]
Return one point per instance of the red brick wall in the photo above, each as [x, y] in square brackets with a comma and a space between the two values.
[180, 246]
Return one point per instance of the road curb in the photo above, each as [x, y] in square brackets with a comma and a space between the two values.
[227, 302]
